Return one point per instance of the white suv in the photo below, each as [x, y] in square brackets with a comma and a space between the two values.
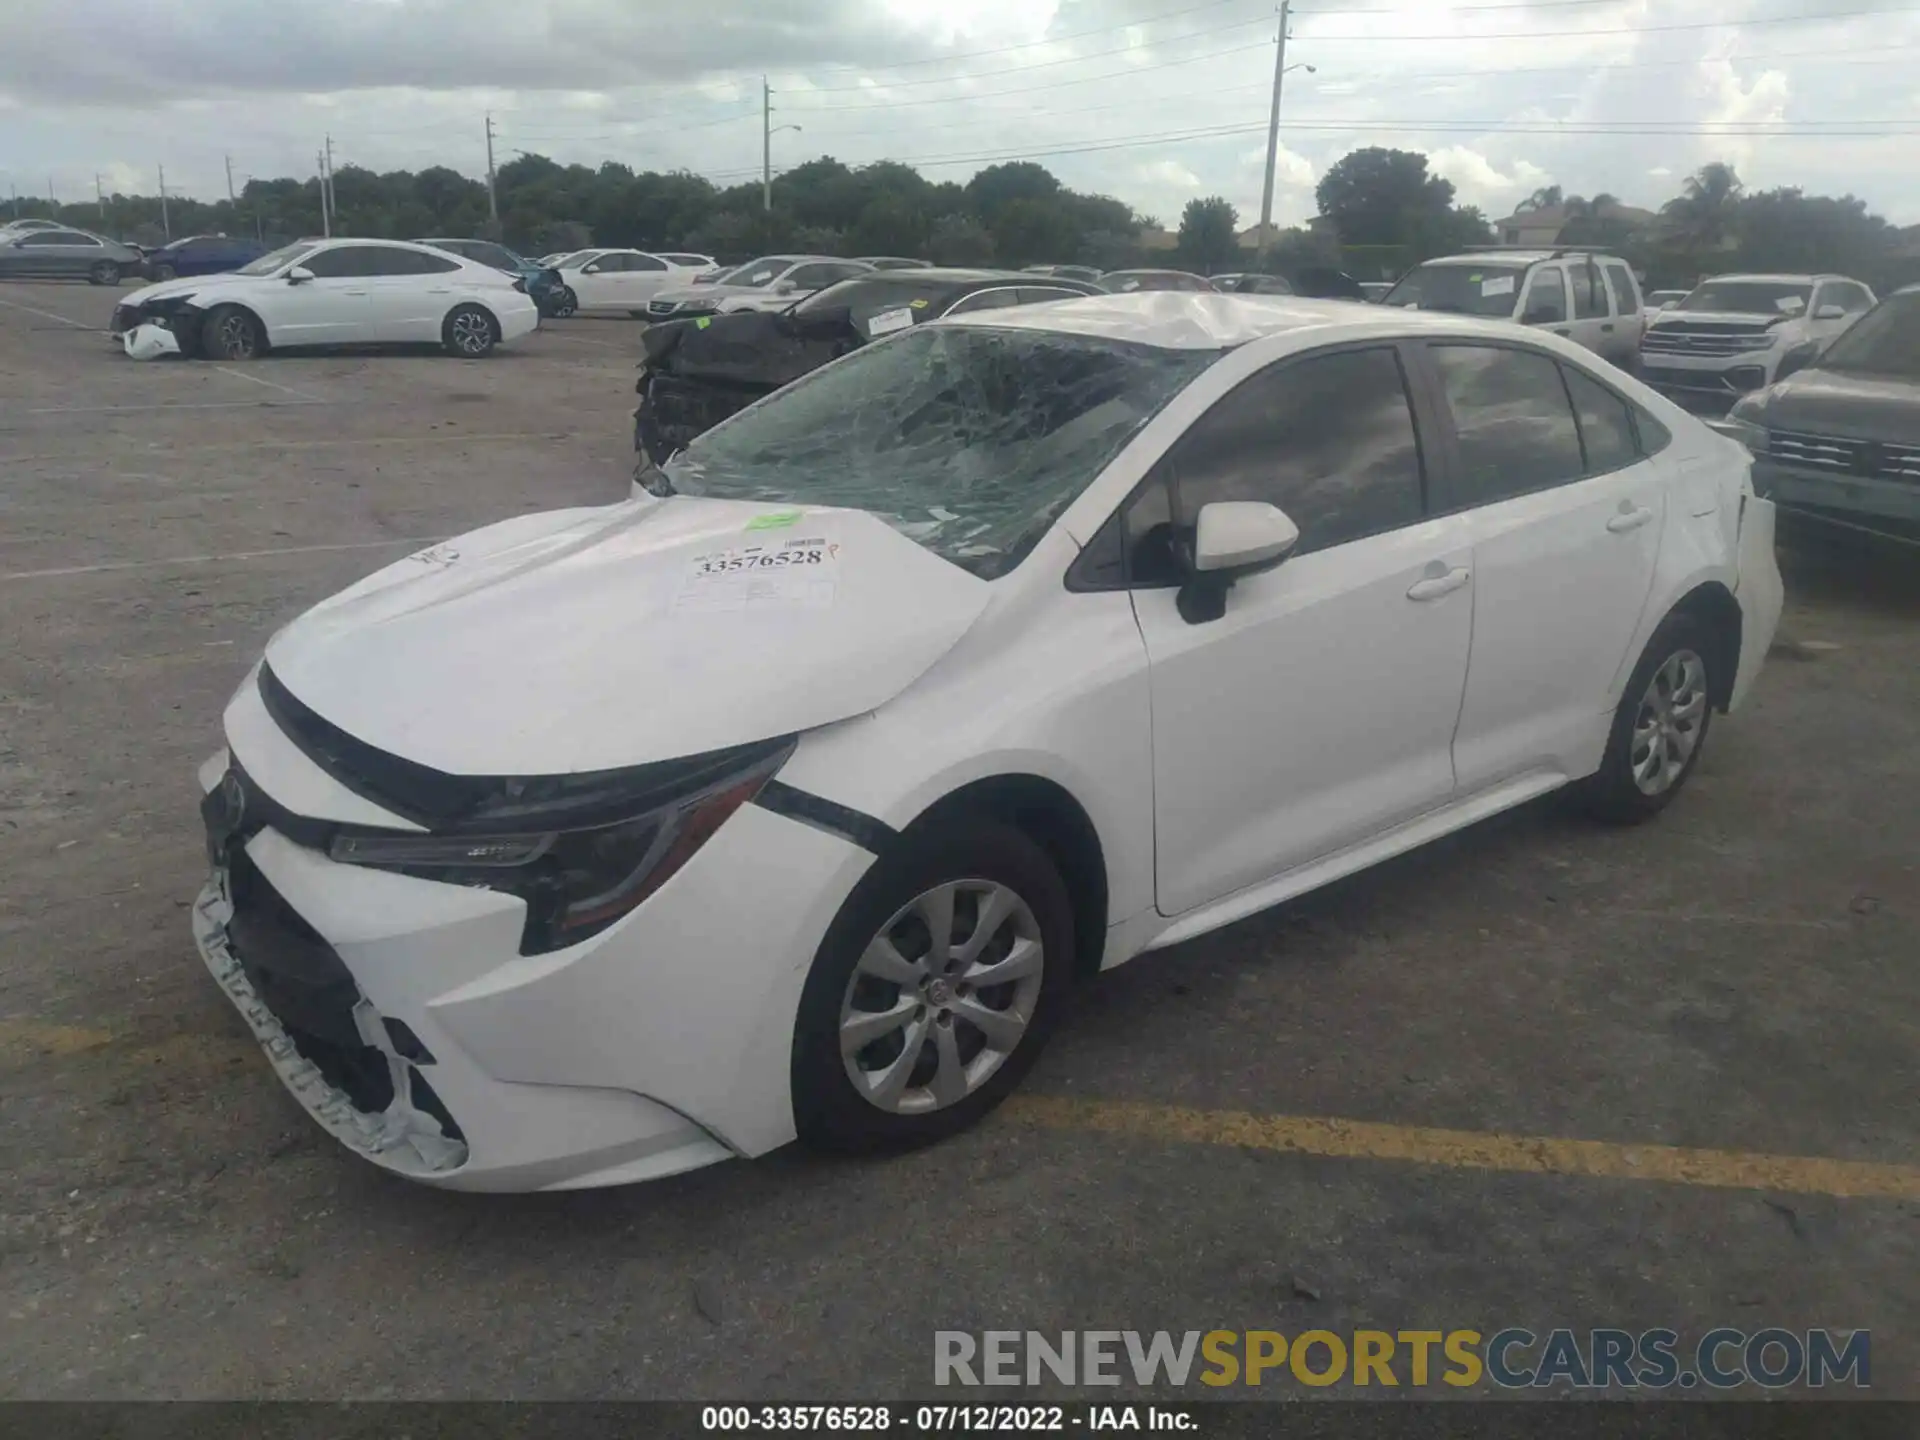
[1588, 296]
[792, 798]
[1735, 334]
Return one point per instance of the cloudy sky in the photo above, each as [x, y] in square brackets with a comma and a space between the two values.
[1155, 101]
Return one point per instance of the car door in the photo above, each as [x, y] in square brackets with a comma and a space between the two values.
[1545, 303]
[1592, 318]
[409, 293]
[644, 277]
[1544, 474]
[330, 309]
[55, 254]
[1319, 708]
[1629, 310]
[599, 284]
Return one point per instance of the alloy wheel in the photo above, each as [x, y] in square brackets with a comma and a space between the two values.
[941, 996]
[1667, 728]
[472, 333]
[233, 337]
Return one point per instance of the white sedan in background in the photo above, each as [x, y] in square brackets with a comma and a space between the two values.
[336, 292]
[773, 282]
[603, 280]
[793, 796]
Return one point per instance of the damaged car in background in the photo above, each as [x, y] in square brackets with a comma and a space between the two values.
[697, 372]
[791, 799]
[330, 292]
[773, 282]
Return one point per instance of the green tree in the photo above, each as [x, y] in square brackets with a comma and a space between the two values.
[1383, 197]
[1787, 230]
[1029, 231]
[959, 239]
[1208, 231]
[995, 188]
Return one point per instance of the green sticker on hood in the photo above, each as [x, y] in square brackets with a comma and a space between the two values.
[703, 322]
[777, 520]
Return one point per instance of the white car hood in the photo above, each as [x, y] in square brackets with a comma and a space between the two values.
[592, 639]
[192, 285]
[1752, 319]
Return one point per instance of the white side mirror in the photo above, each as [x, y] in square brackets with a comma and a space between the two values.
[1830, 312]
[1242, 536]
[299, 275]
[785, 287]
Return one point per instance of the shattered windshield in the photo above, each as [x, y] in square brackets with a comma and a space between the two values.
[1459, 289]
[274, 259]
[1885, 342]
[968, 440]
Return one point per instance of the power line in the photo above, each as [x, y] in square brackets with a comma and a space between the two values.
[1622, 30]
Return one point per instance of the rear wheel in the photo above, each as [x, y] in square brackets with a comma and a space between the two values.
[1660, 727]
[164, 272]
[104, 272]
[934, 990]
[469, 332]
[230, 333]
[565, 303]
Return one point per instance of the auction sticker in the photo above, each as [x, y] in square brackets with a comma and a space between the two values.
[797, 574]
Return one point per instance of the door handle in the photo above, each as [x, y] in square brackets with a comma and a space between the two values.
[1608, 327]
[353, 292]
[1444, 583]
[1629, 519]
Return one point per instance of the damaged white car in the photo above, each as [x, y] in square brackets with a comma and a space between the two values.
[791, 797]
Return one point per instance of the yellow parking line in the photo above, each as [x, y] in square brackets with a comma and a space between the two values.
[49, 1039]
[1470, 1149]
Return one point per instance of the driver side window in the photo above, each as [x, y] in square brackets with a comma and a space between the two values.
[1330, 439]
[337, 263]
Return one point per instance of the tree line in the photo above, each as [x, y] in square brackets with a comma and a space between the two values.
[1381, 211]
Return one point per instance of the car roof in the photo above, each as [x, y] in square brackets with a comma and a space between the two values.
[1772, 279]
[1500, 257]
[1202, 320]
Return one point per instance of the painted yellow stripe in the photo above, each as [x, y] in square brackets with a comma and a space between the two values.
[28, 1035]
[1471, 1149]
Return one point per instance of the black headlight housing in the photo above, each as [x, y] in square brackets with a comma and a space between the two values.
[583, 849]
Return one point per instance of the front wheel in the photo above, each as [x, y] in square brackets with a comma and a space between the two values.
[163, 273]
[1660, 727]
[469, 332]
[565, 303]
[104, 272]
[230, 333]
[934, 990]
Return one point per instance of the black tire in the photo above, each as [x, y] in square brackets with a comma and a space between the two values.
[230, 333]
[469, 332]
[1612, 793]
[163, 273]
[565, 303]
[829, 1112]
[104, 272]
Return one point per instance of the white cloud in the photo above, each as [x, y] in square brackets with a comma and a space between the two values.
[1479, 182]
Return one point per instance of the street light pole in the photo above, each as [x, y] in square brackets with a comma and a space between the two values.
[766, 145]
[1273, 135]
[166, 225]
[493, 198]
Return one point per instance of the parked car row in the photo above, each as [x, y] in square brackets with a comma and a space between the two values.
[42, 250]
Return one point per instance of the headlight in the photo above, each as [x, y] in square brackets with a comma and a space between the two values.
[1756, 342]
[585, 872]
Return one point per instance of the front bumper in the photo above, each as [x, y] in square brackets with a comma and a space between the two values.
[661, 1045]
[1869, 501]
[1708, 377]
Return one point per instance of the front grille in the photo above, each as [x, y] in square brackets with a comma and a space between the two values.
[1841, 456]
[1676, 341]
[304, 982]
[662, 307]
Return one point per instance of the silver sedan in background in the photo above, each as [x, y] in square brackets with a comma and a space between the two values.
[66, 255]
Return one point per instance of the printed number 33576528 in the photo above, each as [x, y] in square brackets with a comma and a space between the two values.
[767, 560]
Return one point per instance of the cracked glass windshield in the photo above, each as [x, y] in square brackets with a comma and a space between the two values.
[968, 440]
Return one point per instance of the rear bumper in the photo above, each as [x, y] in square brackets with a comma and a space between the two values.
[1760, 593]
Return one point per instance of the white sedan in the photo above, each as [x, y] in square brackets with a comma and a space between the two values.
[773, 282]
[603, 280]
[792, 799]
[336, 292]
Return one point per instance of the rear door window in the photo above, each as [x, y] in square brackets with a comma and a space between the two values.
[1546, 297]
[1606, 423]
[1513, 421]
[1589, 295]
[1626, 290]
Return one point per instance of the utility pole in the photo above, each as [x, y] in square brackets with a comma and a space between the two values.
[333, 200]
[766, 145]
[326, 212]
[493, 196]
[166, 225]
[230, 199]
[100, 198]
[1273, 136]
